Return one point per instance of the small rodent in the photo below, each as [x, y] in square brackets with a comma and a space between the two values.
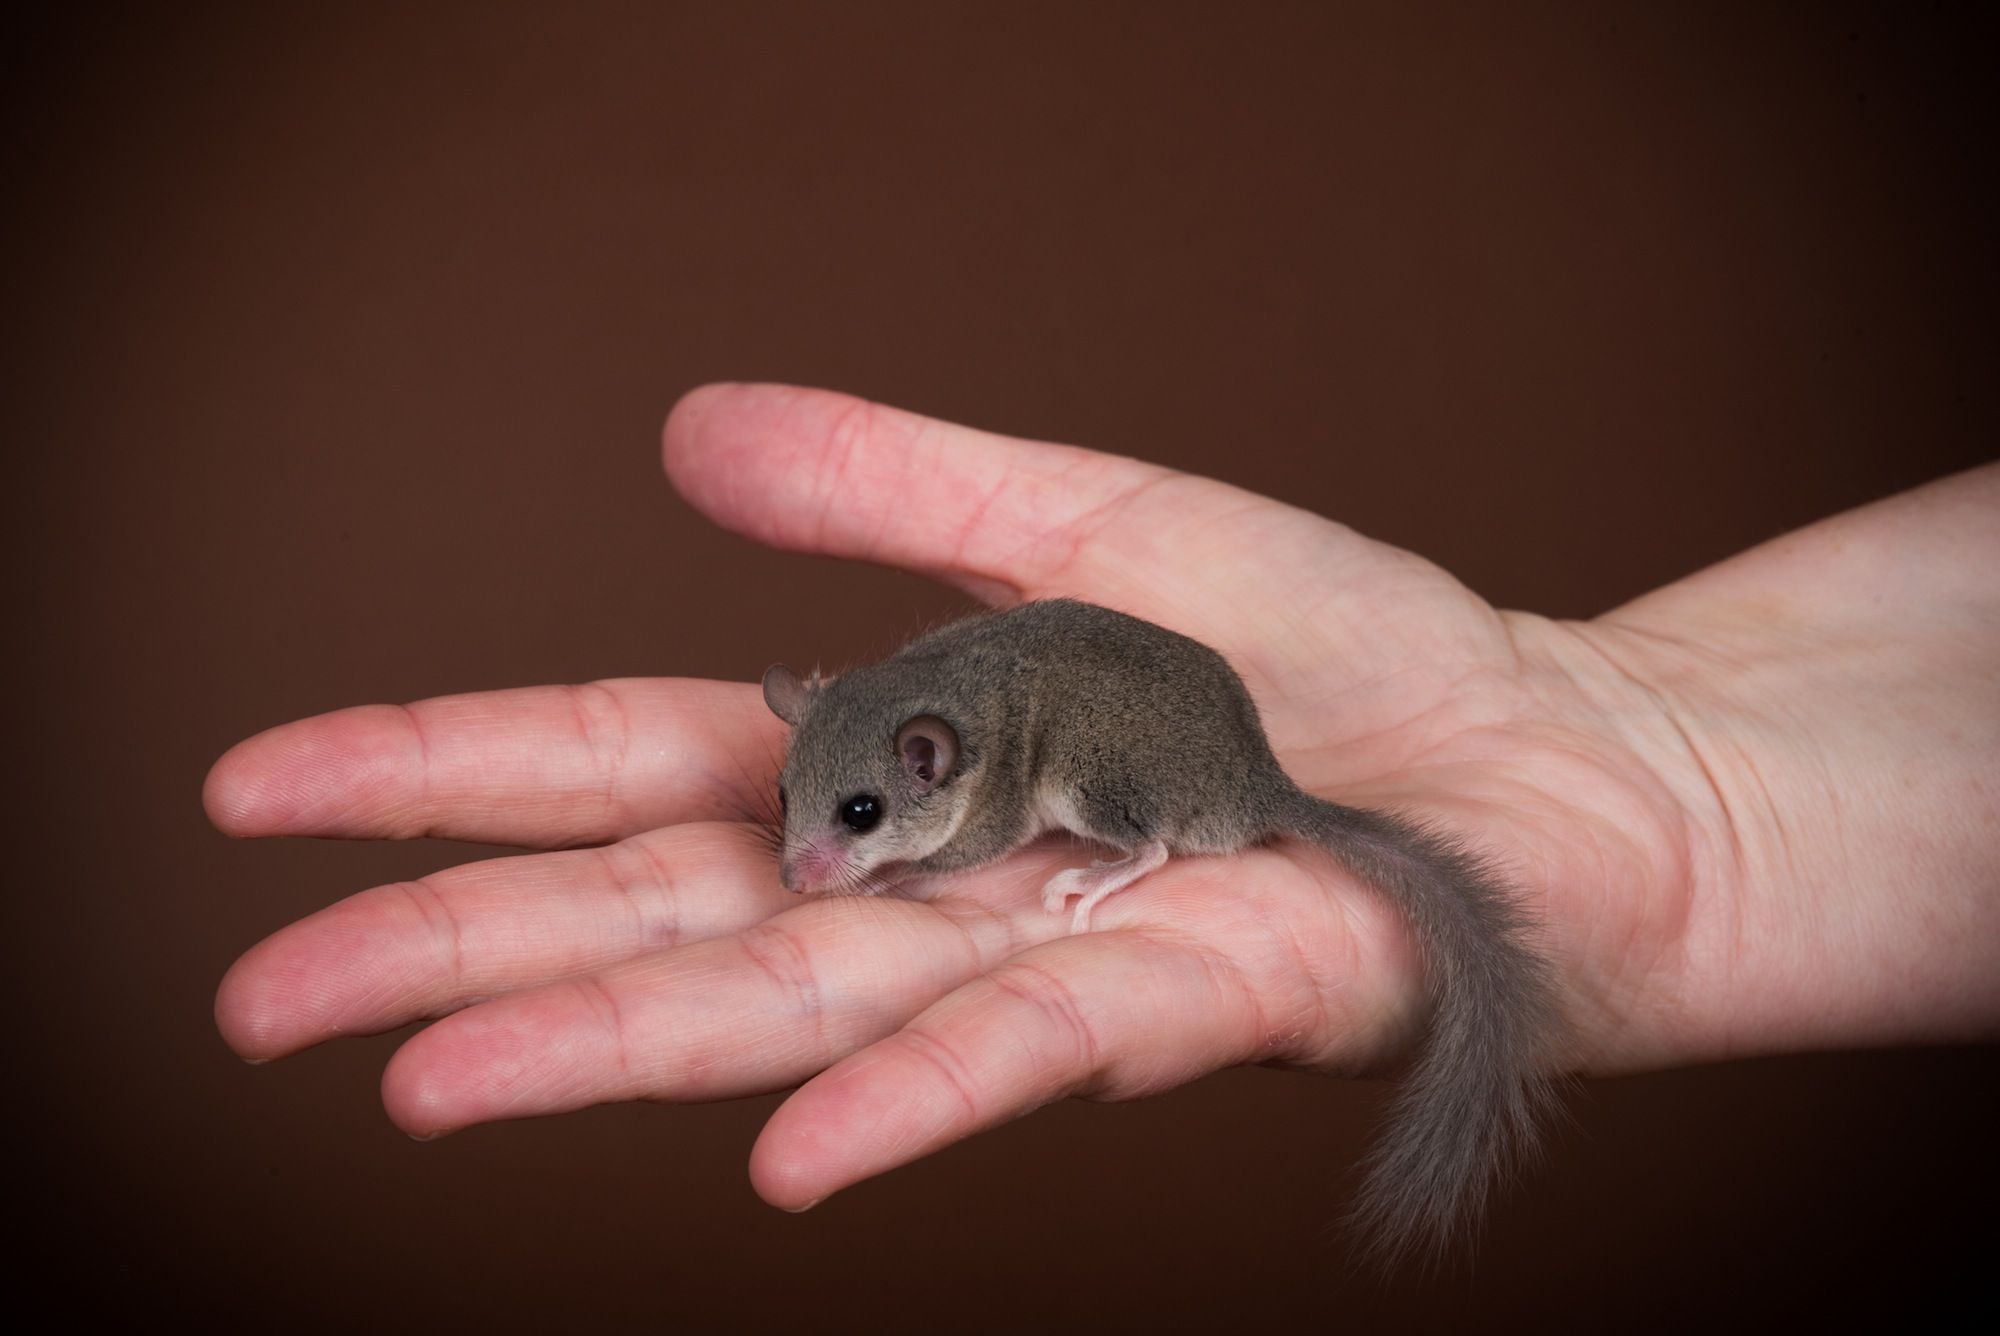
[981, 735]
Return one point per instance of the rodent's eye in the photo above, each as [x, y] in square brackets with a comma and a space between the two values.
[861, 812]
[783, 806]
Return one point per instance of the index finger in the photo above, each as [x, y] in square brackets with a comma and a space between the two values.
[536, 766]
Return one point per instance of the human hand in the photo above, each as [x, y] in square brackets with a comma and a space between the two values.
[669, 965]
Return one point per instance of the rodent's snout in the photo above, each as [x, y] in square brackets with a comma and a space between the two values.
[810, 866]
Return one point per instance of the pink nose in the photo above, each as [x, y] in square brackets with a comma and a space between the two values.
[811, 867]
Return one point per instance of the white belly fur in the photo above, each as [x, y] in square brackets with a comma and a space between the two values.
[1055, 809]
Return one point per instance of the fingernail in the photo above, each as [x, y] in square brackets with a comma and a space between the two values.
[801, 1210]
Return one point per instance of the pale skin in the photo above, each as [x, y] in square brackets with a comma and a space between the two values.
[1752, 812]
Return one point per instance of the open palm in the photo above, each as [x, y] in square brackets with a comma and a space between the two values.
[664, 962]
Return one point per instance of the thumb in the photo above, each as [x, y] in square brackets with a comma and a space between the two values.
[1299, 602]
[815, 471]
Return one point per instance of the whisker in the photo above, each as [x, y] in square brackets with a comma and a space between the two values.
[754, 798]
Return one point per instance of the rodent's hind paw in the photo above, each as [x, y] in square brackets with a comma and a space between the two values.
[1099, 880]
[1057, 890]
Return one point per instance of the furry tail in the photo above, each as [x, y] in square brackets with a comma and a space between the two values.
[1473, 1105]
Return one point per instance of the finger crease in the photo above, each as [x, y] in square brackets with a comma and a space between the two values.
[971, 523]
[604, 1002]
[1287, 938]
[423, 742]
[654, 909]
[778, 954]
[1225, 980]
[606, 732]
[964, 916]
[844, 441]
[1081, 529]
[940, 1058]
[666, 898]
[436, 912]
[1054, 999]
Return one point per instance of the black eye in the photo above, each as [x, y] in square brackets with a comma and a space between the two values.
[861, 812]
[783, 806]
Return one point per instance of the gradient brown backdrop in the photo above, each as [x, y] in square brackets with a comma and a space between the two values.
[339, 345]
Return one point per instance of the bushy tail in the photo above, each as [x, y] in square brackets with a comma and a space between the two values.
[1473, 1105]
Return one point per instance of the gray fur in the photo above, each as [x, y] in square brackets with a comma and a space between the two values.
[1071, 715]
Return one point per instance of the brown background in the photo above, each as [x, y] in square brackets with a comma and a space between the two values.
[338, 350]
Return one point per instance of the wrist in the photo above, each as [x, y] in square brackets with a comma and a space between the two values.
[1845, 895]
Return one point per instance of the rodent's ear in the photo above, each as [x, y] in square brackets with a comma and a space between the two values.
[784, 693]
[929, 750]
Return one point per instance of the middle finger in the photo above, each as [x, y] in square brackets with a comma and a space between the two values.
[423, 948]
[732, 1016]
